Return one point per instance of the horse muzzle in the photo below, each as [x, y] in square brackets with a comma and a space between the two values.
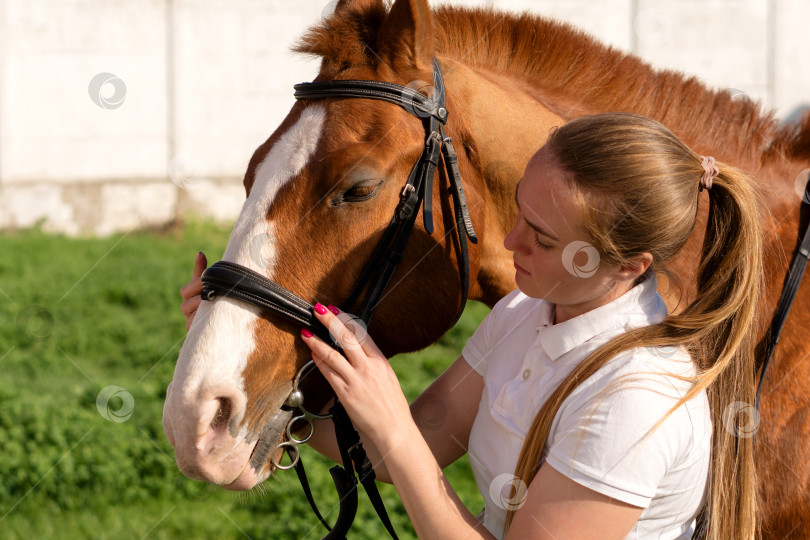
[202, 431]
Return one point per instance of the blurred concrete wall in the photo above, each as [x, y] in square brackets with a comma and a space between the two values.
[117, 114]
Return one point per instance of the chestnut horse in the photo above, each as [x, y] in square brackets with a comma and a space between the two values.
[322, 189]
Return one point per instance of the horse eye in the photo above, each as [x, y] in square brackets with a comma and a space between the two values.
[359, 193]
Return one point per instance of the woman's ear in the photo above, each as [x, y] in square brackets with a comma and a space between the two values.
[635, 266]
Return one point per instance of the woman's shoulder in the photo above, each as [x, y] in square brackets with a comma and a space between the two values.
[646, 382]
[635, 395]
[515, 305]
[513, 300]
[672, 366]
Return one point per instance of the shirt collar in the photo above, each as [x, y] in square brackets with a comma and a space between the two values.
[640, 306]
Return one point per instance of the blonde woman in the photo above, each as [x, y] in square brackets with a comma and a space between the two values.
[587, 410]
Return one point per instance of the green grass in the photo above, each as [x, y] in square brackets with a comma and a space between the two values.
[78, 315]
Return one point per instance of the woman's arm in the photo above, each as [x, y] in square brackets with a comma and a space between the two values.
[558, 507]
[443, 414]
[555, 507]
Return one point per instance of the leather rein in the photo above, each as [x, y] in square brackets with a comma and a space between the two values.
[232, 280]
[789, 291]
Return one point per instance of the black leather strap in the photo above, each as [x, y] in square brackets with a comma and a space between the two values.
[225, 278]
[464, 226]
[355, 459]
[346, 485]
[409, 99]
[304, 481]
[457, 188]
[794, 278]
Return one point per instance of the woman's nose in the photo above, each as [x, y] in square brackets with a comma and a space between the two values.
[512, 240]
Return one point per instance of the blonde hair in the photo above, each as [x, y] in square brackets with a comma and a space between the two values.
[638, 186]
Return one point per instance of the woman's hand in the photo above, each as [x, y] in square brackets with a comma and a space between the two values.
[190, 292]
[363, 380]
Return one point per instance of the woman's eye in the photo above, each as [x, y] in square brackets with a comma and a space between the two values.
[541, 244]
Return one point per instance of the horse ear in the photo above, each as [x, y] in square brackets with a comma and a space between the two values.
[406, 35]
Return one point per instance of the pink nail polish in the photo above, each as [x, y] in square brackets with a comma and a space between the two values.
[319, 309]
[306, 333]
[333, 309]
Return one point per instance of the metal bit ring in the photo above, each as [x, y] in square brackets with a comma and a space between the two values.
[291, 435]
[290, 448]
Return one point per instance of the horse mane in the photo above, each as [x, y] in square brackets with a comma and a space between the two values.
[562, 61]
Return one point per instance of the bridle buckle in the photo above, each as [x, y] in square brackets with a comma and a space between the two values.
[406, 190]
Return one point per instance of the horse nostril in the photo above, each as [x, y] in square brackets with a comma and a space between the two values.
[220, 420]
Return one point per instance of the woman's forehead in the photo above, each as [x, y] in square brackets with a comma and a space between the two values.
[546, 198]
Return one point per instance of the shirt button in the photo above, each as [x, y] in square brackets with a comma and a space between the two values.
[526, 374]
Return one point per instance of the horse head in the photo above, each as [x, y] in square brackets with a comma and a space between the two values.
[321, 191]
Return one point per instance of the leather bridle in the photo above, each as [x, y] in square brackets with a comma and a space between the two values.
[232, 280]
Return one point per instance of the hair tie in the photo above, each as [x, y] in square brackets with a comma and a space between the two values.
[710, 172]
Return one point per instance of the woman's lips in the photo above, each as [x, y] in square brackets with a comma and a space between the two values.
[520, 269]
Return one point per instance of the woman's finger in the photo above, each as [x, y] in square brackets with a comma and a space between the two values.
[327, 354]
[334, 379]
[190, 320]
[191, 289]
[200, 264]
[194, 287]
[348, 331]
[189, 306]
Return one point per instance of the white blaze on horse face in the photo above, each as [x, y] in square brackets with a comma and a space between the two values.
[220, 339]
[252, 242]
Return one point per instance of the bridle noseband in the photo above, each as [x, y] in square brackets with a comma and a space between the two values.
[232, 280]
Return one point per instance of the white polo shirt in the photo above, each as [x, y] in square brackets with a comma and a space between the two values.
[597, 437]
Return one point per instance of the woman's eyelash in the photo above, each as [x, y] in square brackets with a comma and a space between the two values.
[541, 244]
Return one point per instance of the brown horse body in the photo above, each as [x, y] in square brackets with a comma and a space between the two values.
[509, 80]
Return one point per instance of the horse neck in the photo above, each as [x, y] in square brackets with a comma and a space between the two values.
[500, 125]
[506, 119]
[573, 74]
